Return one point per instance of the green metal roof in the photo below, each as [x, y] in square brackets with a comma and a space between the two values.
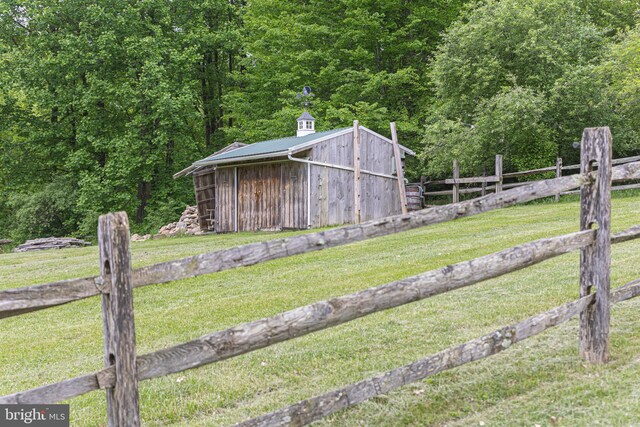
[265, 148]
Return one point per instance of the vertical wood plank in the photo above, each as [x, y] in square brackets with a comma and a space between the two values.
[456, 186]
[235, 199]
[118, 321]
[595, 260]
[499, 172]
[558, 174]
[356, 169]
[399, 171]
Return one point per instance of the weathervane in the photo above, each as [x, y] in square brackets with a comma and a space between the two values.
[306, 96]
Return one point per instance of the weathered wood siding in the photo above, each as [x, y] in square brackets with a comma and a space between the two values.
[380, 196]
[294, 195]
[225, 200]
[332, 198]
[260, 197]
[204, 183]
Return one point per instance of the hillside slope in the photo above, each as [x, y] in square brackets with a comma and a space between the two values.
[526, 385]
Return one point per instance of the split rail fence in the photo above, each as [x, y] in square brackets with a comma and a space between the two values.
[124, 368]
[495, 183]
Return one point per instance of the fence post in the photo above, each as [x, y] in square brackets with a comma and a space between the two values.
[595, 260]
[117, 317]
[499, 173]
[558, 174]
[483, 192]
[456, 187]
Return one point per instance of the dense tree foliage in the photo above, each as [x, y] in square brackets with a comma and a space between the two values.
[102, 102]
[362, 59]
[523, 78]
[109, 99]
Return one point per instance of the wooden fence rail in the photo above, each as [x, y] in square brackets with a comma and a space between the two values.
[124, 368]
[498, 179]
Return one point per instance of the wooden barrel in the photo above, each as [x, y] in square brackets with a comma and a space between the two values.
[414, 197]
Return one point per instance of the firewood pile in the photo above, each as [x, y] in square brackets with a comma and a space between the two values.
[188, 224]
[51, 243]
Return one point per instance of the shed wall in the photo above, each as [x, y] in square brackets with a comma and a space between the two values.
[332, 190]
[380, 196]
[271, 196]
[294, 195]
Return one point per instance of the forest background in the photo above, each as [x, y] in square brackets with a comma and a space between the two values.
[102, 101]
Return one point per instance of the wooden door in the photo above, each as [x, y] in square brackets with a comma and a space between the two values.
[260, 197]
[294, 195]
[225, 200]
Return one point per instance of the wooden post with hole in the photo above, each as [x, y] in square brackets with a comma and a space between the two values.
[356, 171]
[456, 187]
[117, 316]
[499, 173]
[558, 174]
[399, 171]
[595, 260]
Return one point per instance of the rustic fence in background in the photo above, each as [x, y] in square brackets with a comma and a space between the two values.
[124, 368]
[495, 183]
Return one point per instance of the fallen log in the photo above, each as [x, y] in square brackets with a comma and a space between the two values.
[51, 243]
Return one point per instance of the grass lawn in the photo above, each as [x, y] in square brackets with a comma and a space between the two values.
[527, 385]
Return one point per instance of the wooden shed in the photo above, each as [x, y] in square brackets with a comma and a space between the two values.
[298, 182]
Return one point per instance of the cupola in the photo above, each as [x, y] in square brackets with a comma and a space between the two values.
[306, 124]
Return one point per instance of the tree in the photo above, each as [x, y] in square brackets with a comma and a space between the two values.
[496, 70]
[112, 97]
[622, 71]
[364, 60]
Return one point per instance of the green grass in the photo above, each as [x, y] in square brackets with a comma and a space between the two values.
[540, 378]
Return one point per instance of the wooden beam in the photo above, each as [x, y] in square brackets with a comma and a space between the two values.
[595, 260]
[456, 178]
[631, 233]
[472, 180]
[118, 321]
[310, 410]
[356, 172]
[529, 172]
[615, 162]
[399, 170]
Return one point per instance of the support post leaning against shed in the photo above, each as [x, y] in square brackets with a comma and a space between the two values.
[118, 321]
[399, 171]
[595, 260]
